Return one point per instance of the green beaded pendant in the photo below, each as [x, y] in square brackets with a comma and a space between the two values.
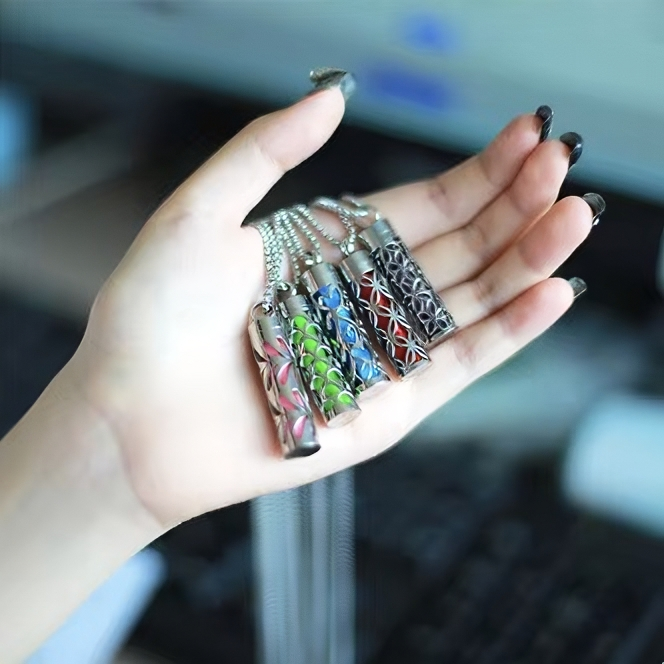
[315, 360]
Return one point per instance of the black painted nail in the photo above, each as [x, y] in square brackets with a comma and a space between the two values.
[574, 142]
[545, 114]
[597, 205]
[325, 78]
[579, 286]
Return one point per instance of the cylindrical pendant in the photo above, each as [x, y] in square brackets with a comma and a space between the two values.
[343, 326]
[423, 306]
[286, 393]
[330, 391]
[372, 292]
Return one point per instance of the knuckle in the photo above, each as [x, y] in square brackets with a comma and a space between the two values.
[484, 293]
[438, 195]
[466, 354]
[259, 142]
[535, 193]
[477, 240]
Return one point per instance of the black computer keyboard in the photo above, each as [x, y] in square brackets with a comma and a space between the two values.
[536, 583]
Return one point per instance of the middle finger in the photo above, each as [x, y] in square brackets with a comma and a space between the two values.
[534, 258]
[460, 255]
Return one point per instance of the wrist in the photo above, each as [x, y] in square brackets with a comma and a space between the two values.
[68, 515]
[90, 456]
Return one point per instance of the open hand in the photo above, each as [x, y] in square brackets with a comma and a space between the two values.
[166, 359]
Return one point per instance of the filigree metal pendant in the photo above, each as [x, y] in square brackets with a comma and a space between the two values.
[423, 306]
[343, 326]
[372, 292]
[329, 388]
[286, 393]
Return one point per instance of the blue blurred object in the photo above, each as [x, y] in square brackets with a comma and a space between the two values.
[429, 32]
[16, 133]
[615, 465]
[396, 83]
[99, 628]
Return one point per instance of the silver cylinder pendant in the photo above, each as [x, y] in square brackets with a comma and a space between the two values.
[286, 393]
[343, 326]
[424, 307]
[331, 392]
[371, 290]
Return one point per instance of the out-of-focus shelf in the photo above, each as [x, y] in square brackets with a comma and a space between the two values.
[447, 74]
[57, 246]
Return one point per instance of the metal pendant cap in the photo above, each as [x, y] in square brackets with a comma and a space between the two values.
[379, 234]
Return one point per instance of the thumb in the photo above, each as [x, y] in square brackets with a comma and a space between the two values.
[230, 184]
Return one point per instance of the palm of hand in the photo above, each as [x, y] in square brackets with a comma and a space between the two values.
[166, 358]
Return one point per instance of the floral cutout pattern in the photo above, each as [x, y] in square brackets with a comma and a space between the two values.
[325, 380]
[349, 339]
[424, 307]
[397, 337]
[286, 395]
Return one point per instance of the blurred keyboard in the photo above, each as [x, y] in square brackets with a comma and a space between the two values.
[535, 582]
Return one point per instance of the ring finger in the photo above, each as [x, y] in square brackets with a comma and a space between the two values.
[460, 255]
[534, 258]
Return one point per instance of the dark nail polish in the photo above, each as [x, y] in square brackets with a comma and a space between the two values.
[324, 78]
[545, 114]
[574, 142]
[579, 286]
[597, 205]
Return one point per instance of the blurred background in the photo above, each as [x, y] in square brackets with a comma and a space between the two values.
[523, 522]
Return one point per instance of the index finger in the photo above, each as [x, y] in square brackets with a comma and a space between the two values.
[423, 210]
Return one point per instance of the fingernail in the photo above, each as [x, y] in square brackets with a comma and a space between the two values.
[574, 142]
[596, 204]
[579, 286]
[324, 78]
[545, 114]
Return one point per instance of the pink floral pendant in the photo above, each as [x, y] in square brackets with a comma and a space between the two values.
[286, 393]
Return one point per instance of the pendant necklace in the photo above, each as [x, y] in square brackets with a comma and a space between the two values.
[425, 308]
[341, 318]
[372, 292]
[319, 368]
[286, 392]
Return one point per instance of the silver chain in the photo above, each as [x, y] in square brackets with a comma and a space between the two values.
[361, 210]
[273, 252]
[304, 220]
[307, 219]
[281, 233]
[347, 217]
[290, 240]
